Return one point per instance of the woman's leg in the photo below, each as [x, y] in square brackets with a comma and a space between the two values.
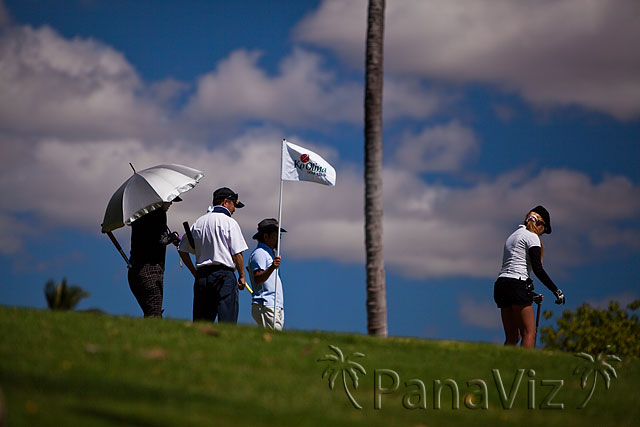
[146, 283]
[510, 325]
[526, 324]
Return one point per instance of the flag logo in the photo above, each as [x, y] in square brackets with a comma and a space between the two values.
[301, 164]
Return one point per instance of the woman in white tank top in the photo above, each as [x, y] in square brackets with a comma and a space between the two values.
[513, 291]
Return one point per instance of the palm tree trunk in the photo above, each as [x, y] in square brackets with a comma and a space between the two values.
[593, 388]
[346, 389]
[376, 292]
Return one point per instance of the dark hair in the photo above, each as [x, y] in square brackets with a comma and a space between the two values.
[268, 230]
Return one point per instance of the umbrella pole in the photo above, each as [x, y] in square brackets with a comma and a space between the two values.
[118, 247]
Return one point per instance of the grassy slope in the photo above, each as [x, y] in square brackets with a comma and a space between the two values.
[86, 369]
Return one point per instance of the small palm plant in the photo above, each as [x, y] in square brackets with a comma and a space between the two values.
[340, 365]
[598, 365]
[61, 296]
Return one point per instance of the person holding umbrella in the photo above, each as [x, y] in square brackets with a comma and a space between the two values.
[142, 202]
[217, 242]
[513, 291]
[150, 236]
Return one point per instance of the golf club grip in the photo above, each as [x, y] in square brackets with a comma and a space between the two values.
[187, 231]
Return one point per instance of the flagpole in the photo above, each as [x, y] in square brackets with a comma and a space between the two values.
[275, 295]
[280, 201]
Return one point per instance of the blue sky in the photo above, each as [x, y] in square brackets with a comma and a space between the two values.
[491, 108]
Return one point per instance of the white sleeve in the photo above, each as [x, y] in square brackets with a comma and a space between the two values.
[532, 240]
[236, 239]
[259, 260]
[185, 246]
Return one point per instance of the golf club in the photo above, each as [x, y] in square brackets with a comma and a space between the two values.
[187, 231]
[538, 300]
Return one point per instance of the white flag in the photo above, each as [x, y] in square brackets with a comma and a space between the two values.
[300, 164]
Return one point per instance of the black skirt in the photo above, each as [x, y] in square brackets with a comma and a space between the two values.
[508, 292]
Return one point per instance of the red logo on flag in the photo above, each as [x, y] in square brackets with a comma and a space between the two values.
[304, 158]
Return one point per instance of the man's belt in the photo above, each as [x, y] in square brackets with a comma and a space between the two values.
[206, 270]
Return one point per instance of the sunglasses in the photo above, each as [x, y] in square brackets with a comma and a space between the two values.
[535, 219]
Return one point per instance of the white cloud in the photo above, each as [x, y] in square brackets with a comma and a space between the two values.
[442, 148]
[83, 89]
[483, 314]
[72, 88]
[302, 93]
[430, 230]
[76, 114]
[403, 98]
[341, 25]
[565, 52]
[441, 231]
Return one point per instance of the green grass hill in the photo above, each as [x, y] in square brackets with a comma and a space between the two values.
[85, 369]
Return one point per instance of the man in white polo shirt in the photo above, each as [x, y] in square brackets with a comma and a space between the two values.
[218, 249]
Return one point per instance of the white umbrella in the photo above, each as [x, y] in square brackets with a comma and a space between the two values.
[145, 192]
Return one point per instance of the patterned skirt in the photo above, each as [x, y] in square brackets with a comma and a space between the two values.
[146, 283]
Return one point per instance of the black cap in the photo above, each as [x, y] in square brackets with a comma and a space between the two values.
[226, 193]
[540, 210]
[266, 226]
